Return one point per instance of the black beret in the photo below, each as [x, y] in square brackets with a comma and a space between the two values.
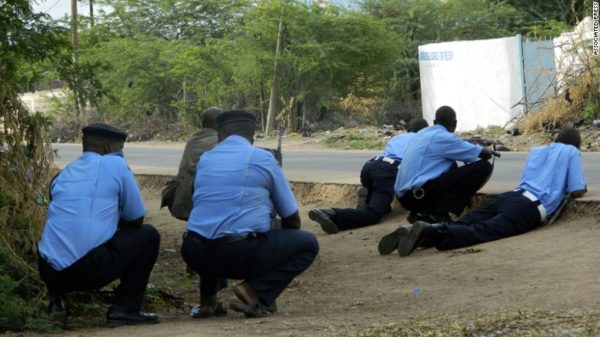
[104, 131]
[233, 116]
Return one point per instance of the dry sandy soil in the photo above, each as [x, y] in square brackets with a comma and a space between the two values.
[544, 283]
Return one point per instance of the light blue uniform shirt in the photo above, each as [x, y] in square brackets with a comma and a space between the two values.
[432, 152]
[89, 196]
[396, 146]
[237, 189]
[552, 171]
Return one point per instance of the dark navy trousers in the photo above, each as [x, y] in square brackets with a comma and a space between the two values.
[268, 262]
[509, 214]
[378, 177]
[450, 192]
[129, 256]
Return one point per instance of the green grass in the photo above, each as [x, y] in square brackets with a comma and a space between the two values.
[355, 141]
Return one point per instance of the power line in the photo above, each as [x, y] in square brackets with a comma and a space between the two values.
[56, 3]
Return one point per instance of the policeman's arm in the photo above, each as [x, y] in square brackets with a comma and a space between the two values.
[487, 153]
[131, 224]
[131, 203]
[576, 185]
[291, 222]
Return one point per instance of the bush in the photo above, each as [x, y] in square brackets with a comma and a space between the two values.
[25, 167]
[355, 141]
[581, 100]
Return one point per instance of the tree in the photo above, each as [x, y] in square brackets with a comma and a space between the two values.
[570, 12]
[25, 39]
[418, 22]
[196, 20]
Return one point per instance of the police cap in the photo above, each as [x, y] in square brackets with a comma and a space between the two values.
[102, 130]
[234, 116]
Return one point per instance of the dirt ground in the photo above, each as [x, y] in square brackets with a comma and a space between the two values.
[541, 282]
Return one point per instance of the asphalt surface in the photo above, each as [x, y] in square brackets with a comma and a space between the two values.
[328, 166]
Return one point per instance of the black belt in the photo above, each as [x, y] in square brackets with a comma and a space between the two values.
[387, 160]
[218, 241]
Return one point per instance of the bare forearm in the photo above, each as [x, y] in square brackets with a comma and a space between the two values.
[131, 223]
[291, 222]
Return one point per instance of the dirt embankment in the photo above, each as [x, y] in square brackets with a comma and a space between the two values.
[543, 283]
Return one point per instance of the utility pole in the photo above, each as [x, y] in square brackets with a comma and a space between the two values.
[75, 44]
[92, 13]
[74, 36]
[275, 81]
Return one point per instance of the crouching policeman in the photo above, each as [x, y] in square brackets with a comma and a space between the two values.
[237, 190]
[95, 234]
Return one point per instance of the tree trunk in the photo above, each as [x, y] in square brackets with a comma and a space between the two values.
[75, 44]
[275, 81]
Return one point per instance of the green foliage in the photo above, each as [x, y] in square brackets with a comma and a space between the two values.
[16, 313]
[567, 11]
[355, 141]
[195, 20]
[174, 58]
[418, 22]
[591, 111]
[26, 39]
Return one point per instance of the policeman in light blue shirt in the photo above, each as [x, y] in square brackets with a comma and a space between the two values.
[429, 182]
[551, 173]
[238, 190]
[377, 177]
[95, 234]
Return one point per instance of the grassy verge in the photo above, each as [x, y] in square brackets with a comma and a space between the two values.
[355, 141]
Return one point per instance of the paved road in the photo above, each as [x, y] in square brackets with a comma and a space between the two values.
[327, 166]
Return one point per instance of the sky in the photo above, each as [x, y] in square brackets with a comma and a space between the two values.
[57, 8]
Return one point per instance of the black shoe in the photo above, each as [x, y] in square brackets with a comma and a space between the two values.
[389, 242]
[252, 311]
[272, 308]
[420, 232]
[57, 309]
[362, 193]
[437, 217]
[118, 318]
[325, 218]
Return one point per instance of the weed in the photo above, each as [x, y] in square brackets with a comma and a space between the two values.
[355, 141]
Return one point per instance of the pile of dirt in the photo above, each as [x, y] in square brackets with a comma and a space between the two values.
[538, 284]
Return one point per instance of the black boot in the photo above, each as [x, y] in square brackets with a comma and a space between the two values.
[429, 217]
[389, 242]
[362, 193]
[117, 316]
[420, 233]
[57, 308]
[326, 218]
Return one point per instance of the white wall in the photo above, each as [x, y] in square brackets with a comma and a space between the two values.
[572, 51]
[41, 101]
[480, 79]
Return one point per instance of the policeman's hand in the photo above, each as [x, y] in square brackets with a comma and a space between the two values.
[291, 222]
[579, 193]
[131, 223]
[487, 153]
[278, 156]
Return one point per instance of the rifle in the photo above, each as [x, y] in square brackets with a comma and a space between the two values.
[277, 151]
[278, 154]
[563, 203]
[486, 142]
